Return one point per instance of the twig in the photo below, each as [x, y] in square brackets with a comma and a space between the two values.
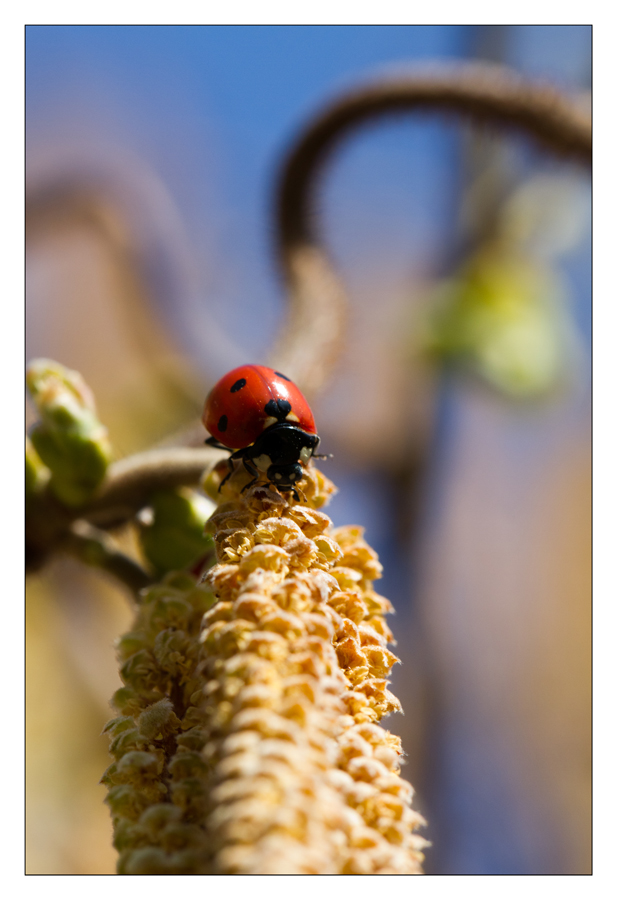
[126, 489]
[489, 95]
[96, 548]
[131, 481]
[127, 211]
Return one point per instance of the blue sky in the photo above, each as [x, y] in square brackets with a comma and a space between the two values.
[212, 109]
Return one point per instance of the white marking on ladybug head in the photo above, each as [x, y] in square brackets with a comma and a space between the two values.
[305, 454]
[278, 476]
[292, 417]
[263, 462]
[270, 421]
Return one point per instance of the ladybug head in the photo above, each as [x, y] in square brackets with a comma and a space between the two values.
[277, 410]
[285, 476]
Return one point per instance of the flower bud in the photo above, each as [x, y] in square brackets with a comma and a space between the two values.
[172, 531]
[37, 474]
[69, 438]
[158, 719]
[502, 315]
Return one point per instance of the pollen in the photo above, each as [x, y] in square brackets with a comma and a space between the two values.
[303, 779]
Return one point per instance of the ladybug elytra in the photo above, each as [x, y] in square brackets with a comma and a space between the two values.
[262, 418]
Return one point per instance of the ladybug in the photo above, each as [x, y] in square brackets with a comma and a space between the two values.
[262, 418]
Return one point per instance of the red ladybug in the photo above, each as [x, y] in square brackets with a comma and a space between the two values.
[261, 417]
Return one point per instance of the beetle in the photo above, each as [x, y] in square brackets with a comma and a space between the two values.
[261, 417]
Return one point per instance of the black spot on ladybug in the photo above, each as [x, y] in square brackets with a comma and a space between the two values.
[238, 385]
[279, 409]
[284, 377]
[222, 424]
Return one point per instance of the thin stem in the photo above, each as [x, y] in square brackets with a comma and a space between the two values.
[96, 548]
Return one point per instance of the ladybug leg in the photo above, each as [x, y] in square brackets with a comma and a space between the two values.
[212, 442]
[297, 490]
[234, 456]
[252, 470]
[229, 474]
[276, 487]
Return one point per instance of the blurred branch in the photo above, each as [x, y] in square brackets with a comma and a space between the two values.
[81, 201]
[96, 548]
[310, 342]
[488, 95]
[126, 489]
[131, 481]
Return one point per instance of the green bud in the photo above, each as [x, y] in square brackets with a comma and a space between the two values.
[140, 671]
[109, 775]
[501, 315]
[196, 697]
[139, 766]
[125, 801]
[126, 741]
[149, 861]
[182, 836]
[193, 739]
[171, 612]
[194, 716]
[190, 795]
[201, 598]
[130, 643]
[180, 581]
[172, 533]
[187, 764]
[37, 474]
[118, 725]
[158, 720]
[166, 589]
[127, 701]
[157, 817]
[69, 439]
[175, 652]
[128, 835]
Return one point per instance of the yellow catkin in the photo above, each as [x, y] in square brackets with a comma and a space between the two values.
[301, 777]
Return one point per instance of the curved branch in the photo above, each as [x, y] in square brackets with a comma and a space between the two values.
[486, 94]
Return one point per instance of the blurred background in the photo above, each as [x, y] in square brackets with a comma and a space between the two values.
[459, 415]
